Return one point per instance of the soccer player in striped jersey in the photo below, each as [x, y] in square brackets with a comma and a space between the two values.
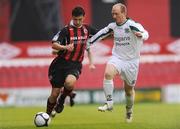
[69, 44]
[128, 38]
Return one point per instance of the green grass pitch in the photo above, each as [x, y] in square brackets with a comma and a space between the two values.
[146, 116]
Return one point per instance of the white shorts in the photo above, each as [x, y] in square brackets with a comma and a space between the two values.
[128, 70]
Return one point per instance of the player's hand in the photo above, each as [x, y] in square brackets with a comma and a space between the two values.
[138, 34]
[55, 52]
[70, 47]
[92, 67]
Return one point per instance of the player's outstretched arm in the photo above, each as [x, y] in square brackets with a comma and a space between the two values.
[101, 34]
[91, 64]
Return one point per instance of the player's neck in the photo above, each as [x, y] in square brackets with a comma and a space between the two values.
[122, 22]
[72, 24]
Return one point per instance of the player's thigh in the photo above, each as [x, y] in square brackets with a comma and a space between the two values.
[56, 74]
[130, 73]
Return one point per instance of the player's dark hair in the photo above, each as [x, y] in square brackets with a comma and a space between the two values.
[78, 11]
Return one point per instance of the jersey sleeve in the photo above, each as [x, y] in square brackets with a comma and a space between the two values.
[101, 34]
[92, 31]
[137, 27]
[61, 36]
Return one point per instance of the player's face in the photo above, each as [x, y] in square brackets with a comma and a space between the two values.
[78, 21]
[117, 15]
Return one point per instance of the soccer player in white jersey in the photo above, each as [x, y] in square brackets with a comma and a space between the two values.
[128, 38]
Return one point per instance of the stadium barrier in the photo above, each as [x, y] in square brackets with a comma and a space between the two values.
[35, 96]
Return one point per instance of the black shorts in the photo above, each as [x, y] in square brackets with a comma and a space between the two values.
[60, 69]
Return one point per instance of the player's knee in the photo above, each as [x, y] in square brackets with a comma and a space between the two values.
[69, 82]
[108, 76]
[129, 91]
[69, 85]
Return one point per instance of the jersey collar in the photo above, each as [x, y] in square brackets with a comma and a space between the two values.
[72, 24]
[122, 23]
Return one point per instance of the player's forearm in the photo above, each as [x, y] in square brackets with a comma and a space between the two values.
[57, 46]
[91, 64]
[100, 35]
[96, 37]
[90, 58]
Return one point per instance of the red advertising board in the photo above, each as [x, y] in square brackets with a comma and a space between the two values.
[29, 62]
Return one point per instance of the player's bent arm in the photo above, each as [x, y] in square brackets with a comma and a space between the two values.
[139, 30]
[142, 34]
[91, 64]
[58, 47]
[145, 35]
[89, 56]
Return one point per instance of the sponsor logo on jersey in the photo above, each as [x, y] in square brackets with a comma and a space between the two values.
[122, 44]
[85, 30]
[78, 38]
[120, 39]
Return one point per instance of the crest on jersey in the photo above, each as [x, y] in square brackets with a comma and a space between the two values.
[85, 30]
[126, 30]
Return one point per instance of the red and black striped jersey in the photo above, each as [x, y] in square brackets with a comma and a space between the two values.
[77, 36]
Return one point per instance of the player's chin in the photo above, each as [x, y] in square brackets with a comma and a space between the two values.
[78, 25]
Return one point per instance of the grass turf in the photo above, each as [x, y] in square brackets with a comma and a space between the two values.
[146, 116]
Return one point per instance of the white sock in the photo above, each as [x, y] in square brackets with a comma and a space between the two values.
[108, 89]
[109, 103]
[130, 101]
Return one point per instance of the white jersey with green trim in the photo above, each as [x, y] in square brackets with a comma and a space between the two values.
[126, 44]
